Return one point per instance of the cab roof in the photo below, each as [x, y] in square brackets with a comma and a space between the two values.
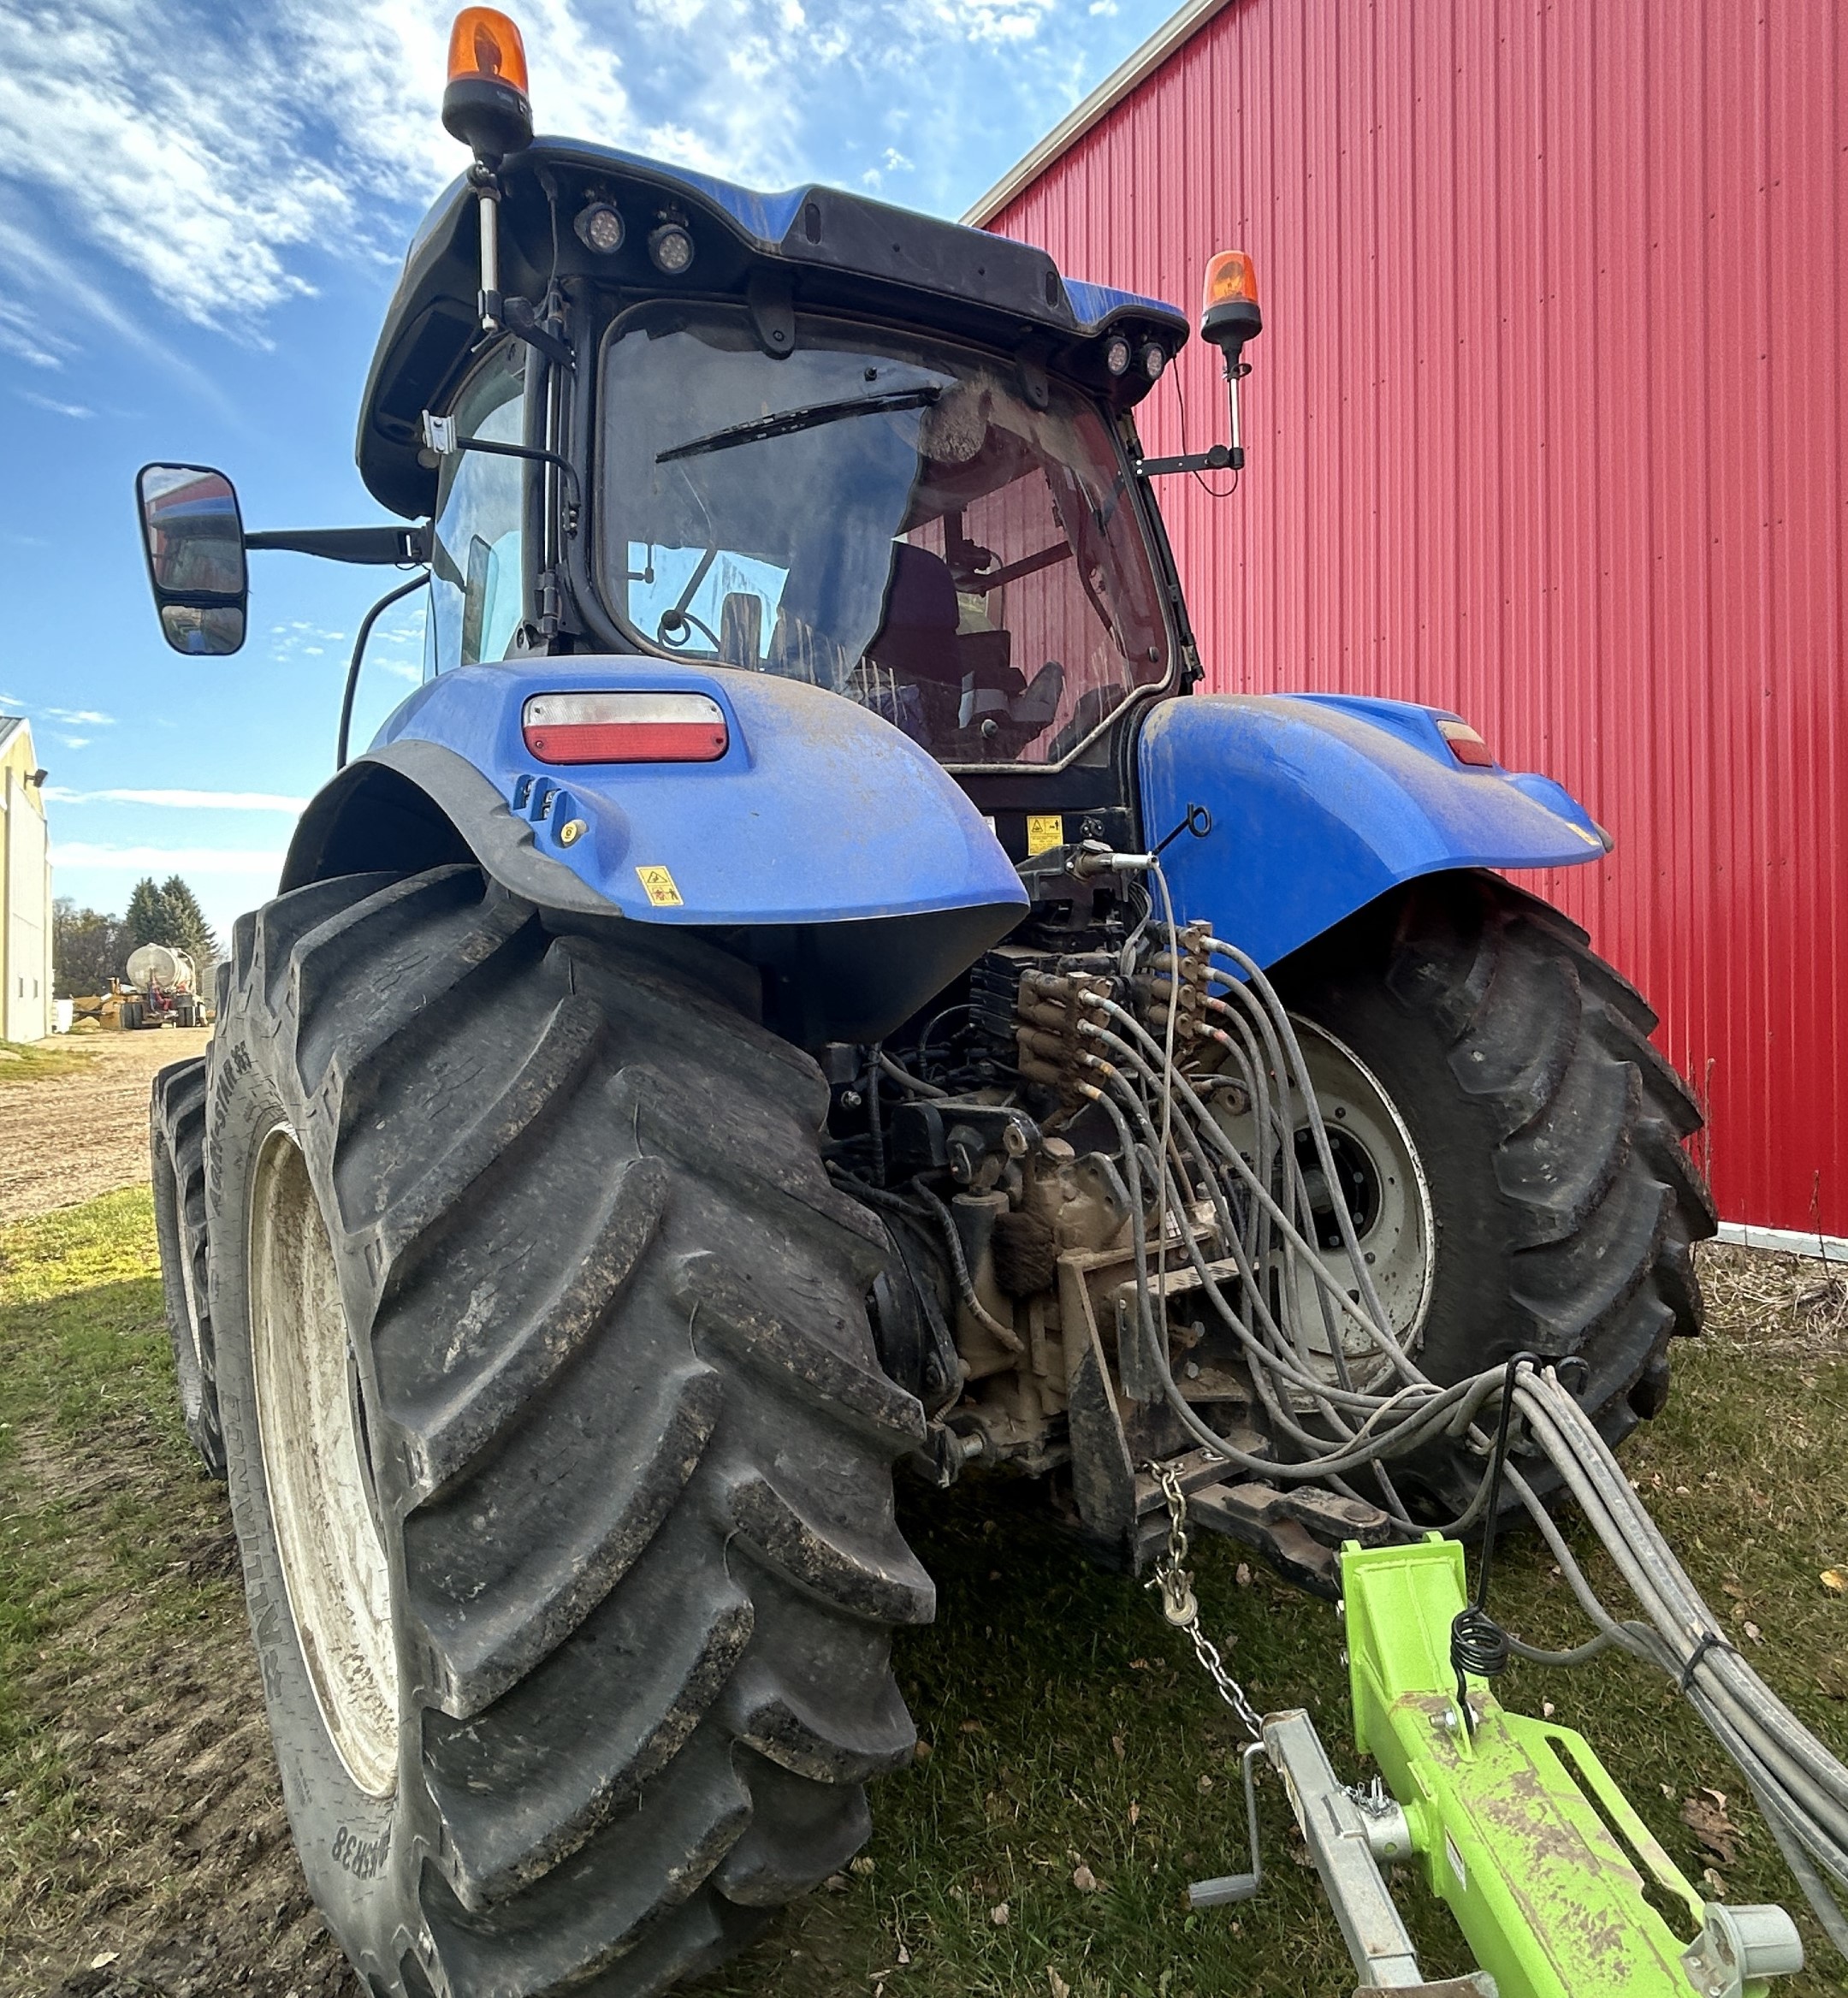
[816, 248]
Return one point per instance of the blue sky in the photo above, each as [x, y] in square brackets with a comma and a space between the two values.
[204, 209]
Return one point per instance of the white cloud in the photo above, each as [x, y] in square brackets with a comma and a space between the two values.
[201, 148]
[190, 800]
[80, 717]
[992, 21]
[23, 336]
[166, 860]
[48, 271]
[75, 742]
[51, 403]
[215, 151]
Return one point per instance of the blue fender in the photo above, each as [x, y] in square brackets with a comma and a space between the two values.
[1322, 801]
[824, 844]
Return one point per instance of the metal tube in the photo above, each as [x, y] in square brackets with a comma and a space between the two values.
[490, 258]
[1336, 1835]
[1233, 373]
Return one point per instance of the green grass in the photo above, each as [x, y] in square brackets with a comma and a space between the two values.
[1067, 1726]
[25, 1061]
[100, 1504]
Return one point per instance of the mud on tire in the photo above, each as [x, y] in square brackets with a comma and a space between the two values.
[1549, 1128]
[628, 1441]
[177, 1141]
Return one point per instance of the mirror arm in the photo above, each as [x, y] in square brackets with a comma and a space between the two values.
[1216, 460]
[380, 547]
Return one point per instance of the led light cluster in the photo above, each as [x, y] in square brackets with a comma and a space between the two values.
[1466, 745]
[624, 728]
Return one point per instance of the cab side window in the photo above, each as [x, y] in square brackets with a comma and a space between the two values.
[475, 597]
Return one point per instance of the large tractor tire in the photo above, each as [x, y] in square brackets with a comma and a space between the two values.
[1512, 1145]
[558, 1451]
[177, 1144]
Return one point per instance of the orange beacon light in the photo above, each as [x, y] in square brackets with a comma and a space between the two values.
[1229, 309]
[485, 103]
[1228, 317]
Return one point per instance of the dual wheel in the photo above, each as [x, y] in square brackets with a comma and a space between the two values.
[557, 1442]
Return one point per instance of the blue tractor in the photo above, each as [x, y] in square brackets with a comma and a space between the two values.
[732, 1034]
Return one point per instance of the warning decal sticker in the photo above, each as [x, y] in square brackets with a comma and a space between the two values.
[1045, 831]
[658, 885]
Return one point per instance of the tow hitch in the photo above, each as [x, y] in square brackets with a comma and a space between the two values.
[1514, 1823]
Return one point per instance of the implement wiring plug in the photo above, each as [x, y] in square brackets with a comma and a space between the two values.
[1091, 857]
[1479, 1647]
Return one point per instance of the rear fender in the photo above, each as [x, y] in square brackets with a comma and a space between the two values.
[1320, 803]
[823, 845]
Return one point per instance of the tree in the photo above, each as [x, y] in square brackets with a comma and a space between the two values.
[146, 920]
[187, 928]
[170, 914]
[87, 949]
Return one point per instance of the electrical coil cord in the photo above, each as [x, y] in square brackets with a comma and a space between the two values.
[1173, 1153]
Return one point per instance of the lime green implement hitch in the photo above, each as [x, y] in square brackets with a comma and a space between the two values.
[1513, 1823]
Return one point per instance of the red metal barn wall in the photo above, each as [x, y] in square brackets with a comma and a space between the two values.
[1548, 426]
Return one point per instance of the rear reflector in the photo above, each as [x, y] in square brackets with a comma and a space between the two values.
[624, 728]
[1465, 745]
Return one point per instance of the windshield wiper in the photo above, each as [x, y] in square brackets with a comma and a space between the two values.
[786, 421]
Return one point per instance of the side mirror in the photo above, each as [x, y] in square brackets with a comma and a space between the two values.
[193, 536]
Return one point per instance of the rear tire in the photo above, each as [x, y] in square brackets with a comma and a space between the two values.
[613, 1422]
[177, 1145]
[1548, 1131]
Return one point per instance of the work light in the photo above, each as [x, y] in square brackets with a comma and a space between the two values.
[671, 248]
[599, 228]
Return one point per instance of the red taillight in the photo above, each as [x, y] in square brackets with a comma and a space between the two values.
[624, 728]
[1465, 745]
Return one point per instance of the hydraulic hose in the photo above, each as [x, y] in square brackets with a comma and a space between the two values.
[1168, 1139]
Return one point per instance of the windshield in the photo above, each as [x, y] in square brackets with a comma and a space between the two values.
[898, 520]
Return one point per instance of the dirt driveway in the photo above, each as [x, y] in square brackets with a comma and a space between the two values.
[68, 1138]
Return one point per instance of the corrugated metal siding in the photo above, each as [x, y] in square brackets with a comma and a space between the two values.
[1549, 426]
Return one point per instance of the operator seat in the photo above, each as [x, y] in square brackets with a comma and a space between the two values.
[917, 633]
[956, 692]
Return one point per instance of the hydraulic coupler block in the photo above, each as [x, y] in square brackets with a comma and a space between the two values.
[1177, 984]
[1050, 1009]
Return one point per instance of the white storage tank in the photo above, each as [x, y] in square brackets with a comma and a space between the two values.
[159, 964]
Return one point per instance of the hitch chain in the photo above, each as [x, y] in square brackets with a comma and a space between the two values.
[1181, 1608]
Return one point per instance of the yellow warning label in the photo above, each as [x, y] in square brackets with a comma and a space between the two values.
[658, 885]
[1045, 831]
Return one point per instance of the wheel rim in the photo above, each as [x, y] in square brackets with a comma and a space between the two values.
[1387, 1196]
[332, 1561]
[189, 1276]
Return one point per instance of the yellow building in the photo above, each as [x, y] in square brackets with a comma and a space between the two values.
[25, 888]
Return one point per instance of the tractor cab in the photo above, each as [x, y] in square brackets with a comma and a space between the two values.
[634, 412]
[802, 435]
